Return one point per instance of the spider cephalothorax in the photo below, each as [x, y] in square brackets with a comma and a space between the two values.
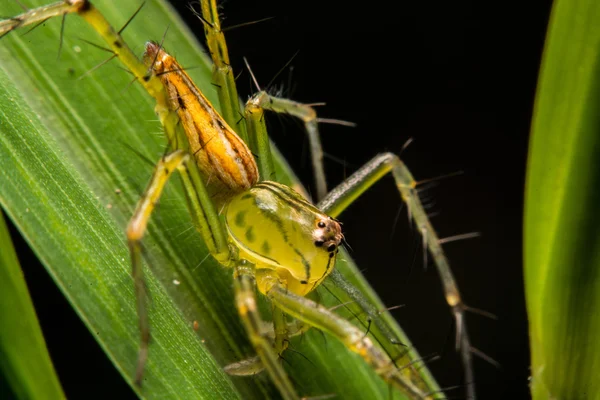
[270, 224]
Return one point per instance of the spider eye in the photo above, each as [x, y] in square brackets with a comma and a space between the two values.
[321, 224]
[331, 248]
[319, 243]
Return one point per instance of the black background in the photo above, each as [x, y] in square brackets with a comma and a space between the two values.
[457, 77]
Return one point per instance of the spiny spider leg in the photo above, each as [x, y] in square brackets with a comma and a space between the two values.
[344, 195]
[256, 135]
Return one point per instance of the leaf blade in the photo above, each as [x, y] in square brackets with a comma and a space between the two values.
[561, 215]
[26, 363]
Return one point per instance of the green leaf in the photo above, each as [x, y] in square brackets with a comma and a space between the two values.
[562, 213]
[25, 361]
[69, 181]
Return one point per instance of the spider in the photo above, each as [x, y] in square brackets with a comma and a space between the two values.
[271, 237]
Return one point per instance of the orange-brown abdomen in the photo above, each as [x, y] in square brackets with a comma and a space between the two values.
[224, 159]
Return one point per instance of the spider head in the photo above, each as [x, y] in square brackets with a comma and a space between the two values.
[328, 234]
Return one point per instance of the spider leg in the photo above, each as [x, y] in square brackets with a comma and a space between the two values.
[250, 125]
[320, 317]
[203, 213]
[245, 300]
[344, 195]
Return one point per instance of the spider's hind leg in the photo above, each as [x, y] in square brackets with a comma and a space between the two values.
[250, 125]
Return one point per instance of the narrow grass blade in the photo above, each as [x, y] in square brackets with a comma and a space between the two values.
[24, 358]
[562, 213]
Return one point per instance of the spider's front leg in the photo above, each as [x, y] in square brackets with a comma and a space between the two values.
[259, 140]
[353, 338]
[344, 195]
[246, 303]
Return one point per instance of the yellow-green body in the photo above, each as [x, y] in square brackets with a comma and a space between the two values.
[273, 227]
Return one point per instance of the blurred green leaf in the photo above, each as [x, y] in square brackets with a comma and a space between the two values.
[24, 358]
[69, 181]
[562, 213]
